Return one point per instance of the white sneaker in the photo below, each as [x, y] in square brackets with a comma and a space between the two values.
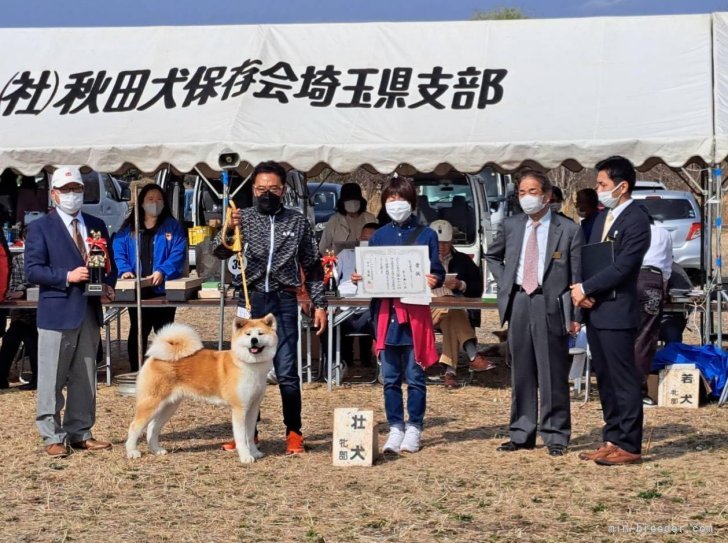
[411, 441]
[394, 440]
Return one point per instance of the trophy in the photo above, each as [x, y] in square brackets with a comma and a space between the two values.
[328, 261]
[98, 264]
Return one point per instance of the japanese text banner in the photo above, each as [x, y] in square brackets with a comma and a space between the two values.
[424, 94]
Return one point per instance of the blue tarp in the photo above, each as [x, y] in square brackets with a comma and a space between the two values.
[710, 360]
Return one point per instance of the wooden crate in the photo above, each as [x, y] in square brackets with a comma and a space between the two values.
[126, 288]
[182, 289]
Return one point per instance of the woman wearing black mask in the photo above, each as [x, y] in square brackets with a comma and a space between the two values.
[162, 248]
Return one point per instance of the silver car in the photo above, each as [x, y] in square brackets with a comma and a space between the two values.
[679, 214]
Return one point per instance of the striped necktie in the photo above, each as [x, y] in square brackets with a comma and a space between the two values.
[530, 266]
[80, 245]
[608, 224]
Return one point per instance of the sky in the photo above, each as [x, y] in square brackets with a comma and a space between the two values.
[56, 13]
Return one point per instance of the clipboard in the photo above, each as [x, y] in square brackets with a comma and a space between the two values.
[594, 258]
[566, 306]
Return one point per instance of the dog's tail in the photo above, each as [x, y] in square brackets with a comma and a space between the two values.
[173, 342]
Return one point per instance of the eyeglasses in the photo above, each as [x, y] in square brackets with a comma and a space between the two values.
[68, 190]
[275, 190]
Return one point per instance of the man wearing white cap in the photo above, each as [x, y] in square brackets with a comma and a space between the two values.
[463, 279]
[68, 321]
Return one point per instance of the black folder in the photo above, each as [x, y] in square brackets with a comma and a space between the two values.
[594, 258]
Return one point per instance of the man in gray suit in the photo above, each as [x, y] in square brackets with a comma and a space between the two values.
[535, 258]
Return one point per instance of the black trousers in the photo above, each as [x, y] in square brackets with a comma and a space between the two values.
[18, 332]
[620, 386]
[652, 297]
[152, 319]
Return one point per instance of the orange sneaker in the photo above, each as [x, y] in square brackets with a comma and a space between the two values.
[294, 443]
[230, 445]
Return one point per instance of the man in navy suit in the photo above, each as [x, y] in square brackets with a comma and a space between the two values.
[614, 317]
[68, 321]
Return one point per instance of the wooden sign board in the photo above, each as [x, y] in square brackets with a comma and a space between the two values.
[679, 386]
[356, 437]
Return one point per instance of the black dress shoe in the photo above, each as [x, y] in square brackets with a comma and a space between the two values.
[509, 446]
[557, 450]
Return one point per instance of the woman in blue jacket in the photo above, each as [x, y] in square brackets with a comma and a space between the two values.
[162, 248]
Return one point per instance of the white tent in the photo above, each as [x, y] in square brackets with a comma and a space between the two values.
[463, 94]
[421, 96]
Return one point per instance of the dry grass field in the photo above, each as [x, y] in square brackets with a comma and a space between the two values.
[458, 488]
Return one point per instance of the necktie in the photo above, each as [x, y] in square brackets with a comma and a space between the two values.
[530, 266]
[78, 239]
[607, 224]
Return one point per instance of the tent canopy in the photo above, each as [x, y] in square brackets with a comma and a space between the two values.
[426, 95]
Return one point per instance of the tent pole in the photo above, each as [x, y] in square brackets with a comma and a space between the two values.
[137, 275]
[223, 263]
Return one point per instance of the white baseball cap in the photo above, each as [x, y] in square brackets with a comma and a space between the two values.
[65, 175]
[443, 229]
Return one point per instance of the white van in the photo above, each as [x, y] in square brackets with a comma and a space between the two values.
[474, 204]
[104, 198]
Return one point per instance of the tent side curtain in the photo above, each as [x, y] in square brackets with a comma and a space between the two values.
[720, 75]
[463, 94]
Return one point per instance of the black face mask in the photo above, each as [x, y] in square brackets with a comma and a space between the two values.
[268, 203]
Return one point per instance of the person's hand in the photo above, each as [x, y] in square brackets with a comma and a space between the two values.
[15, 295]
[79, 275]
[108, 295]
[355, 277]
[587, 303]
[574, 328]
[157, 278]
[431, 280]
[453, 283]
[319, 321]
[237, 220]
[127, 275]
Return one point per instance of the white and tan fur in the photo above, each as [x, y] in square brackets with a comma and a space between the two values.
[178, 367]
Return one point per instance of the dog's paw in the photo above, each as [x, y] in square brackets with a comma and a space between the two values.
[246, 459]
[134, 454]
[257, 454]
[160, 452]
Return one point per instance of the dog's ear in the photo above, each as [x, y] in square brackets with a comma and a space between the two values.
[270, 320]
[239, 322]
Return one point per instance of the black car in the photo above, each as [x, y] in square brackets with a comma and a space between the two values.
[323, 198]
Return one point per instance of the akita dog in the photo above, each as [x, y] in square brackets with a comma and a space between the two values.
[178, 367]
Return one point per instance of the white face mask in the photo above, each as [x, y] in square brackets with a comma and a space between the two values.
[399, 210]
[555, 207]
[532, 204]
[70, 203]
[153, 209]
[352, 206]
[607, 199]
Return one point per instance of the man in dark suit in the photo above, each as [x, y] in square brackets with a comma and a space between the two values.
[68, 321]
[534, 258]
[613, 316]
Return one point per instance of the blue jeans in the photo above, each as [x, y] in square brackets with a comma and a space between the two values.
[284, 307]
[398, 361]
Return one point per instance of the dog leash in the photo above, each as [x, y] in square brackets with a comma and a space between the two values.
[237, 248]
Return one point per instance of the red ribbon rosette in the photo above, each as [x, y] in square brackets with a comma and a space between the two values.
[329, 263]
[95, 241]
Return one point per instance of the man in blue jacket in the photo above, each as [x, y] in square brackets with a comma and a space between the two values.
[68, 321]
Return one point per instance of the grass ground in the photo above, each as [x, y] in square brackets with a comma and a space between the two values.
[458, 488]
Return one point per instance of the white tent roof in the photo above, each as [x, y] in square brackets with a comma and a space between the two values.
[463, 94]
